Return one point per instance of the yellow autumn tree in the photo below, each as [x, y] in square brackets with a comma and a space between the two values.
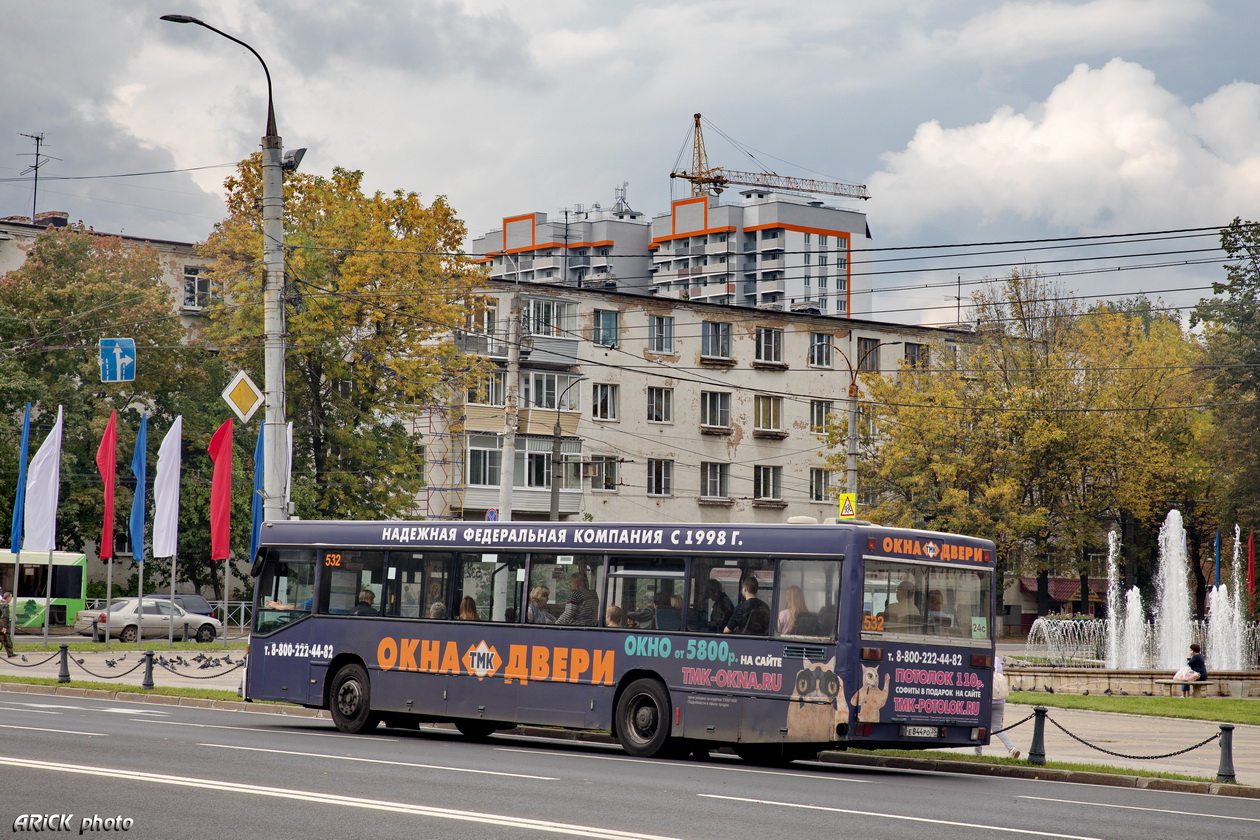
[375, 285]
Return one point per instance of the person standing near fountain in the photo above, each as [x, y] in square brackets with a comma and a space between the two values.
[998, 714]
[1197, 666]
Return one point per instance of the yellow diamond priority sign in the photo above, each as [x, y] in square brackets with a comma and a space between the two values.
[243, 396]
[848, 505]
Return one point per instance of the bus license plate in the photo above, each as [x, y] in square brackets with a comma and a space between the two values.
[920, 732]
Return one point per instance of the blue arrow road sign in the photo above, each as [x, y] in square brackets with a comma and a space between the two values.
[118, 359]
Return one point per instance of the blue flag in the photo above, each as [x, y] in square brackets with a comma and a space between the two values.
[256, 504]
[138, 464]
[19, 501]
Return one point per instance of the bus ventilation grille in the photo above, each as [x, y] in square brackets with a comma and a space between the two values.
[803, 652]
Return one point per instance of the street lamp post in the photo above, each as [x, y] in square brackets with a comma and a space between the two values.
[850, 465]
[275, 439]
[557, 470]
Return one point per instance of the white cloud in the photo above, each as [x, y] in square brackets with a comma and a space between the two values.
[1108, 146]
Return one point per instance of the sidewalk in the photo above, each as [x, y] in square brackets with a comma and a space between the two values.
[182, 668]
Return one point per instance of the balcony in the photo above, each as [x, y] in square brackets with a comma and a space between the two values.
[552, 351]
[492, 345]
[542, 421]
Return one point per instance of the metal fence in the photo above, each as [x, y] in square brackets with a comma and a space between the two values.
[236, 621]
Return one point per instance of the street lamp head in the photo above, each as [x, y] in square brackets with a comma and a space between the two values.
[181, 19]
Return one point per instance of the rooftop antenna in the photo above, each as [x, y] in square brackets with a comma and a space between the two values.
[40, 160]
[620, 204]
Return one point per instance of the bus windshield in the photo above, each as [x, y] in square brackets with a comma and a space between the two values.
[919, 599]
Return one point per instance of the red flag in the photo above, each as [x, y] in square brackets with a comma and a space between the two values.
[107, 463]
[221, 491]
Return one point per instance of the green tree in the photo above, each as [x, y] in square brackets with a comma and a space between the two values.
[1231, 325]
[375, 287]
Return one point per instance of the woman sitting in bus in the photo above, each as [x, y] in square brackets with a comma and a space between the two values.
[468, 609]
[537, 612]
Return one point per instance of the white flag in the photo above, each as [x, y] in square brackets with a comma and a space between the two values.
[166, 492]
[43, 486]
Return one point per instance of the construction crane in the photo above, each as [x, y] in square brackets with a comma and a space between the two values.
[705, 179]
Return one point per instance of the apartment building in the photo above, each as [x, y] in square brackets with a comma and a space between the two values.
[668, 410]
[584, 248]
[771, 250]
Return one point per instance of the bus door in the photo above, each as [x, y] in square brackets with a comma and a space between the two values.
[491, 587]
[281, 644]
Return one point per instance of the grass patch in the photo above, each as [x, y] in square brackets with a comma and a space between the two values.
[168, 691]
[1019, 762]
[1214, 709]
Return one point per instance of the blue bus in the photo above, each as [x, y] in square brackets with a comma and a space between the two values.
[775, 640]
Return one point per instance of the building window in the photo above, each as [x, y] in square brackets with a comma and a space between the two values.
[605, 401]
[484, 457]
[537, 469]
[819, 411]
[607, 328]
[868, 354]
[715, 409]
[661, 333]
[488, 389]
[819, 484]
[868, 422]
[197, 293]
[715, 341]
[767, 414]
[822, 240]
[550, 318]
[713, 480]
[541, 390]
[769, 345]
[768, 483]
[660, 477]
[660, 405]
[604, 472]
[916, 355]
[820, 350]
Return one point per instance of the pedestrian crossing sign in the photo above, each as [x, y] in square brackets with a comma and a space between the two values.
[848, 505]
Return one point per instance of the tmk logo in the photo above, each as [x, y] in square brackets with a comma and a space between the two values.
[482, 660]
[931, 549]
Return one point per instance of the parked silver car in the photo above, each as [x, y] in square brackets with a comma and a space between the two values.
[127, 624]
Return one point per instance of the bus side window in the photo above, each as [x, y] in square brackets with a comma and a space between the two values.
[495, 583]
[285, 585]
[806, 595]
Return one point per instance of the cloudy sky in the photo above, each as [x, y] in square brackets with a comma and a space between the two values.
[973, 122]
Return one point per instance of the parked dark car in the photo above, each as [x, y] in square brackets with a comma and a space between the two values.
[189, 603]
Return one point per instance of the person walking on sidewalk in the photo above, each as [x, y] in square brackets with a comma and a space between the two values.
[5, 620]
[1000, 689]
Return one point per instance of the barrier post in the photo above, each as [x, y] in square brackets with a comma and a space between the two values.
[185, 632]
[1225, 772]
[63, 673]
[1037, 752]
[96, 631]
[148, 670]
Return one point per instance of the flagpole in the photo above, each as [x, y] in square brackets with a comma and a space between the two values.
[47, 596]
[172, 640]
[109, 597]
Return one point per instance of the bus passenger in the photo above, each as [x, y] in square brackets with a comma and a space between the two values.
[904, 610]
[468, 609]
[615, 616]
[582, 608]
[537, 612]
[364, 607]
[436, 610]
[793, 609]
[752, 616]
[721, 609]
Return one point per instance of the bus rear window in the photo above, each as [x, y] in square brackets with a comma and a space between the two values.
[917, 599]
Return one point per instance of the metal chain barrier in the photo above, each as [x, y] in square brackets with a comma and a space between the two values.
[24, 664]
[1013, 725]
[163, 663]
[85, 669]
[1134, 757]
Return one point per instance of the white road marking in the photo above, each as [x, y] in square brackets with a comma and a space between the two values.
[112, 710]
[29, 711]
[277, 731]
[384, 761]
[1139, 808]
[693, 764]
[903, 817]
[222, 785]
[58, 731]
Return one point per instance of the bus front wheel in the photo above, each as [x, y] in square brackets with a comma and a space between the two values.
[351, 698]
[642, 719]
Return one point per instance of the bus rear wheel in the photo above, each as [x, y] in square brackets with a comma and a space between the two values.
[641, 723]
[351, 700]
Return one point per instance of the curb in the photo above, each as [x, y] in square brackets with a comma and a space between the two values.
[1030, 772]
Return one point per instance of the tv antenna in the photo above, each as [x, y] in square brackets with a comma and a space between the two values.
[40, 160]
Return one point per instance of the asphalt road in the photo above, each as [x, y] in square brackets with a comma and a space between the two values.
[197, 773]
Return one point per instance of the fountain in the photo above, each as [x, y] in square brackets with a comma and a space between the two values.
[1127, 641]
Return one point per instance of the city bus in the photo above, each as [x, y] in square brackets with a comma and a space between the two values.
[776, 640]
